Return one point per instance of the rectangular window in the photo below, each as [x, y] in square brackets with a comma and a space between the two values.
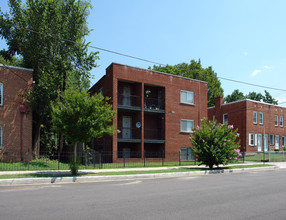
[225, 119]
[254, 117]
[187, 97]
[276, 141]
[1, 136]
[281, 121]
[261, 118]
[1, 94]
[283, 141]
[187, 125]
[276, 120]
[213, 117]
[271, 139]
[252, 139]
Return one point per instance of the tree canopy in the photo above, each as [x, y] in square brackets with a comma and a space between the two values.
[49, 35]
[81, 117]
[194, 70]
[237, 95]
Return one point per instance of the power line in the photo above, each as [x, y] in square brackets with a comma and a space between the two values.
[137, 58]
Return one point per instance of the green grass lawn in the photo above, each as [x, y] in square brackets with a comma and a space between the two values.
[37, 175]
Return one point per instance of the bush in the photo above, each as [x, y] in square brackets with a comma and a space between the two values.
[74, 167]
[214, 143]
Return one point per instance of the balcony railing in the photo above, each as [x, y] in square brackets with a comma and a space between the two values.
[154, 134]
[129, 100]
[154, 104]
[128, 133]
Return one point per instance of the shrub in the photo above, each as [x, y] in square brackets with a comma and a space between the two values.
[214, 143]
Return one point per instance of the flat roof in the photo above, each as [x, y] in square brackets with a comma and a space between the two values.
[250, 100]
[168, 74]
[16, 67]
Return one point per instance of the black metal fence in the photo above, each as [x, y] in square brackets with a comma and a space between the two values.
[91, 159]
[12, 161]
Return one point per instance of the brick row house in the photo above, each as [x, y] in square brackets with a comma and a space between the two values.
[260, 125]
[156, 112]
[15, 121]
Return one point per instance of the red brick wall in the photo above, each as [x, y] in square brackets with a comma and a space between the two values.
[240, 115]
[15, 81]
[174, 110]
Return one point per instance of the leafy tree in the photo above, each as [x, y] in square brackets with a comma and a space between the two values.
[194, 70]
[36, 30]
[237, 95]
[81, 117]
[13, 61]
[269, 99]
[215, 144]
[254, 96]
[234, 96]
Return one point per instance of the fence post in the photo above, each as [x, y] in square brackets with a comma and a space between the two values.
[28, 159]
[124, 162]
[243, 156]
[85, 159]
[59, 154]
[179, 159]
[269, 155]
[144, 159]
[100, 165]
[93, 158]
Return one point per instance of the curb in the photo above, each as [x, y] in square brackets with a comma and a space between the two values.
[49, 180]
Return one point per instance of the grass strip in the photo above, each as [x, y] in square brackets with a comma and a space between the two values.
[36, 175]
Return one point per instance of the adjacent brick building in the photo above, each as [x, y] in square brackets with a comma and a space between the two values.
[155, 112]
[260, 125]
[15, 120]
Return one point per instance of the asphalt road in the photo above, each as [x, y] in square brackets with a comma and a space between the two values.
[249, 195]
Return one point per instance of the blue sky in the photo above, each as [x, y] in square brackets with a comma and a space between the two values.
[243, 40]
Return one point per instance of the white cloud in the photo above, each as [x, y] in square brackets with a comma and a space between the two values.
[267, 67]
[255, 72]
[245, 53]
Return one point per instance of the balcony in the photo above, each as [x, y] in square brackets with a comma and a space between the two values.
[154, 105]
[129, 102]
[154, 136]
[131, 135]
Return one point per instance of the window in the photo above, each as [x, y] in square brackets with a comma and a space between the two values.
[283, 141]
[281, 121]
[187, 97]
[276, 120]
[1, 94]
[271, 139]
[213, 117]
[1, 136]
[261, 118]
[252, 139]
[276, 141]
[187, 125]
[225, 119]
[255, 117]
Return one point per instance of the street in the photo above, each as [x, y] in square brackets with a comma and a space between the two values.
[247, 195]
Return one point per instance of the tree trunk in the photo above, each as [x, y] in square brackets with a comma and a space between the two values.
[36, 137]
[75, 153]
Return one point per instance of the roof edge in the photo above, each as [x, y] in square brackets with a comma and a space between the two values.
[168, 74]
[16, 67]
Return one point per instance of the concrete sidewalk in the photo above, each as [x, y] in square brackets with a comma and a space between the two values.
[92, 178]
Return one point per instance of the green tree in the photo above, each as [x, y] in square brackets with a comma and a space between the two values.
[81, 117]
[254, 96]
[269, 99]
[36, 30]
[215, 144]
[234, 96]
[194, 70]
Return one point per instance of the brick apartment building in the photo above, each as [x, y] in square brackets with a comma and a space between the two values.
[15, 121]
[156, 111]
[260, 125]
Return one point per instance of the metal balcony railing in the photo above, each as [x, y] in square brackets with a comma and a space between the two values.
[128, 133]
[129, 100]
[154, 134]
[154, 104]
